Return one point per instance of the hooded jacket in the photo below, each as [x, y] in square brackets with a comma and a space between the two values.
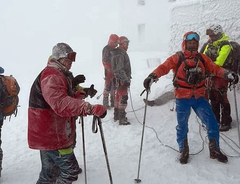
[222, 51]
[52, 109]
[121, 65]
[184, 90]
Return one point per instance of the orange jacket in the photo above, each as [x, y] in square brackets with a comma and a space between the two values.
[190, 90]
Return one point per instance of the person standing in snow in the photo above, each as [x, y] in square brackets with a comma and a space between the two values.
[189, 92]
[53, 108]
[218, 49]
[122, 73]
[1, 120]
[109, 87]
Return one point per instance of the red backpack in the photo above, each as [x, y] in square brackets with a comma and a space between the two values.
[10, 91]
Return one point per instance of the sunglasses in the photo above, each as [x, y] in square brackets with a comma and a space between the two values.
[192, 36]
[71, 56]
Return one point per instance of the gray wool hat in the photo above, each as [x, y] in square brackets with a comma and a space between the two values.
[61, 50]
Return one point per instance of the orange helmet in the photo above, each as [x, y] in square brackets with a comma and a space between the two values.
[113, 40]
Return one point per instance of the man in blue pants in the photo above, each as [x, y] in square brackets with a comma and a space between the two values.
[189, 69]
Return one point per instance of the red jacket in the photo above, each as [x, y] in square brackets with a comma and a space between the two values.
[187, 91]
[52, 109]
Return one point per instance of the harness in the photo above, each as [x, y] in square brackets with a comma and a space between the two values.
[193, 76]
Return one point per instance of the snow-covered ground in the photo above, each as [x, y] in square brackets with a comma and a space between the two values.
[159, 163]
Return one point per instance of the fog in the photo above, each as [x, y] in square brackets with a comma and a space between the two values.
[30, 28]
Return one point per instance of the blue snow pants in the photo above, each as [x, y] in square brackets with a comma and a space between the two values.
[68, 168]
[203, 110]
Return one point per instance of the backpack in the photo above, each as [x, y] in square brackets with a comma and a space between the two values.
[235, 57]
[233, 60]
[10, 91]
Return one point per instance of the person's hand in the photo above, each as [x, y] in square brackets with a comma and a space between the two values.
[148, 81]
[231, 77]
[90, 91]
[78, 79]
[98, 110]
[126, 83]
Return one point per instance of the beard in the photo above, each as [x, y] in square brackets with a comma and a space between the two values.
[192, 49]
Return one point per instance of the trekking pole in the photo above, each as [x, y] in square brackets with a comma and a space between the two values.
[84, 151]
[144, 119]
[235, 100]
[95, 118]
[137, 180]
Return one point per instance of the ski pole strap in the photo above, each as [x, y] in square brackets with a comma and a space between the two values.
[96, 121]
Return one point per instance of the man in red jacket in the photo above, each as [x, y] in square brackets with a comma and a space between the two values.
[109, 87]
[189, 79]
[52, 111]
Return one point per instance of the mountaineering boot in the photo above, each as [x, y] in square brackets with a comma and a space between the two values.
[122, 118]
[184, 154]
[124, 121]
[105, 102]
[116, 116]
[224, 127]
[215, 152]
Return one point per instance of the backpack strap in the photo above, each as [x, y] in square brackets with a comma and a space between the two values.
[221, 44]
[199, 56]
[204, 47]
[181, 59]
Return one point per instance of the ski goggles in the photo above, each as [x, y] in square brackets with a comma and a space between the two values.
[71, 56]
[192, 36]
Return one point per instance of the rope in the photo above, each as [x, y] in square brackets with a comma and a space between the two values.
[156, 134]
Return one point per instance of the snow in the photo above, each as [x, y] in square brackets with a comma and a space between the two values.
[159, 163]
[198, 15]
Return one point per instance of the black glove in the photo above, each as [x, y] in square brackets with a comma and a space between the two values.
[147, 81]
[78, 79]
[90, 91]
[231, 77]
